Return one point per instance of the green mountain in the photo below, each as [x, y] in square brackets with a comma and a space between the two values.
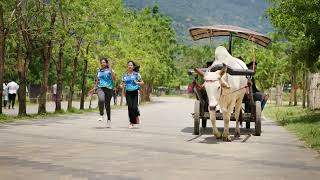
[187, 13]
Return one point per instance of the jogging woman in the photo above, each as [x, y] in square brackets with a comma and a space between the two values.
[104, 87]
[132, 81]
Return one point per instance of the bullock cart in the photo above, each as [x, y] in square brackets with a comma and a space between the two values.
[252, 109]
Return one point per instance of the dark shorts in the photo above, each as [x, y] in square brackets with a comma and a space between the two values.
[258, 96]
[54, 97]
[12, 97]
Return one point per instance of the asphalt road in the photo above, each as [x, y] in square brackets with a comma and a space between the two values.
[163, 147]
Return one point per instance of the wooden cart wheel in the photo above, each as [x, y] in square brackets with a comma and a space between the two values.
[196, 117]
[204, 122]
[248, 124]
[258, 119]
[241, 119]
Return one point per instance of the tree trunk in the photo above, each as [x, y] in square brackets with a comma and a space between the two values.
[59, 68]
[22, 78]
[90, 103]
[44, 82]
[74, 70]
[84, 80]
[292, 83]
[2, 55]
[304, 87]
[122, 95]
[278, 95]
[295, 99]
[291, 96]
[23, 65]
[293, 92]
[59, 65]
[84, 84]
[294, 86]
[314, 91]
[46, 55]
[145, 93]
[311, 92]
[308, 89]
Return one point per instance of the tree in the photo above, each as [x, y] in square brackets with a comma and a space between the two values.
[24, 38]
[82, 32]
[74, 70]
[84, 78]
[299, 19]
[72, 35]
[4, 31]
[153, 50]
[46, 49]
[3, 34]
[188, 58]
[62, 33]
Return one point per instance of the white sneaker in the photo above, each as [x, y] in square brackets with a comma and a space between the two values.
[108, 123]
[100, 118]
[131, 126]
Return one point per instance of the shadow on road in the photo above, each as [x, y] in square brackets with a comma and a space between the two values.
[208, 130]
[245, 134]
[101, 127]
[157, 101]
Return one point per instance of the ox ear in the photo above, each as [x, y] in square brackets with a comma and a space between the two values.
[223, 70]
[225, 84]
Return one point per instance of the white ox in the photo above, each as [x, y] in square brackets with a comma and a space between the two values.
[225, 90]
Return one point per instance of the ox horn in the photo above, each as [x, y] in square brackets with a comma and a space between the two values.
[223, 70]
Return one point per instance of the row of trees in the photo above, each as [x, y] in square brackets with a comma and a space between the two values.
[61, 41]
[297, 23]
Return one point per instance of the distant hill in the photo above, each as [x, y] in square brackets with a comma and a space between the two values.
[188, 13]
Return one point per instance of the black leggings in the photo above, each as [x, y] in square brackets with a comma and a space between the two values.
[4, 103]
[12, 99]
[104, 96]
[132, 101]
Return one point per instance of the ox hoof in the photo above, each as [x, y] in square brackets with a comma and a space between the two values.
[237, 134]
[227, 139]
[217, 135]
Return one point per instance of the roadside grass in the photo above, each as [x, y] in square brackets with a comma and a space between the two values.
[9, 119]
[303, 122]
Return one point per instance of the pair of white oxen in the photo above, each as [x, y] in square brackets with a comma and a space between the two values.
[225, 91]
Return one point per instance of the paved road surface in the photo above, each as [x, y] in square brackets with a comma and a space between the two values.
[79, 147]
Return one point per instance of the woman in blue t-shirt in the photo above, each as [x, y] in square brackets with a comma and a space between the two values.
[105, 78]
[132, 81]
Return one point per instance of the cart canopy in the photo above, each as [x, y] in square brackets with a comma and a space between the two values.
[202, 32]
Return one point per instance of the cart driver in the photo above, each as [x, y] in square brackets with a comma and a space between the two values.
[257, 95]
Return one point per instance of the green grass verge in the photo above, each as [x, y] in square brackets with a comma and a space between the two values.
[303, 122]
[10, 119]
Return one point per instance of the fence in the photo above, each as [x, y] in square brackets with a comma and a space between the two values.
[64, 96]
[314, 91]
